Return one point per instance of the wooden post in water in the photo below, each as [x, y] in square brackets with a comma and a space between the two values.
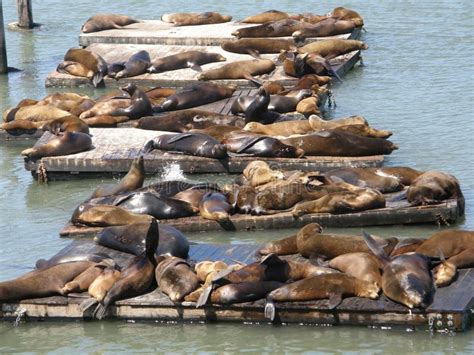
[3, 47]
[25, 14]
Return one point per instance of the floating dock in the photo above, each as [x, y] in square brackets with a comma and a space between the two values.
[159, 32]
[450, 311]
[394, 214]
[115, 148]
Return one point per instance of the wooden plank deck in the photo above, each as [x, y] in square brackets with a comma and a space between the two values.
[159, 32]
[449, 311]
[115, 148]
[394, 214]
[182, 77]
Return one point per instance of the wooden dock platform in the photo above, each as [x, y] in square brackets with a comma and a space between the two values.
[115, 148]
[396, 213]
[159, 32]
[450, 311]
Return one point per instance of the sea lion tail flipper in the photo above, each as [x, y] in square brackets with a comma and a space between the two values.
[335, 300]
[100, 311]
[402, 195]
[206, 293]
[250, 143]
[195, 67]
[255, 81]
[254, 53]
[88, 303]
[148, 147]
[97, 79]
[179, 137]
[330, 70]
[151, 241]
[227, 224]
[270, 310]
[374, 247]
[271, 259]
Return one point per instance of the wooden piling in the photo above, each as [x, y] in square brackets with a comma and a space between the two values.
[25, 14]
[3, 47]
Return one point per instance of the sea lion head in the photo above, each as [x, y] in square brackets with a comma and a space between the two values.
[445, 274]
[129, 88]
[369, 290]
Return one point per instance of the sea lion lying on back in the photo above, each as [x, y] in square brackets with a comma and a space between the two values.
[101, 22]
[192, 18]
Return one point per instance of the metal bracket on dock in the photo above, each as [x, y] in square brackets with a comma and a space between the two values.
[440, 323]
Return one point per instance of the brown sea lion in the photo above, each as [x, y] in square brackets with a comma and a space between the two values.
[364, 131]
[107, 108]
[243, 292]
[21, 127]
[195, 95]
[188, 59]
[332, 286]
[308, 106]
[318, 124]
[261, 146]
[406, 245]
[137, 64]
[132, 181]
[219, 132]
[286, 128]
[140, 104]
[105, 120]
[337, 143]
[65, 144]
[68, 101]
[308, 81]
[311, 242]
[106, 215]
[283, 104]
[280, 28]
[312, 18]
[214, 206]
[241, 69]
[195, 194]
[34, 113]
[327, 27]
[402, 173]
[204, 268]
[90, 60]
[197, 144]
[82, 281]
[101, 22]
[175, 278]
[100, 286]
[432, 187]
[193, 18]
[406, 278]
[75, 68]
[258, 45]
[331, 48]
[137, 277]
[343, 13]
[363, 266]
[185, 120]
[65, 124]
[241, 198]
[366, 178]
[283, 246]
[42, 283]
[270, 16]
[258, 172]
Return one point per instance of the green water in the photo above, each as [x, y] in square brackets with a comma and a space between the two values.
[416, 82]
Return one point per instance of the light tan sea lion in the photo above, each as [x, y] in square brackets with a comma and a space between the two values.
[106, 215]
[193, 19]
[90, 60]
[175, 278]
[270, 16]
[285, 128]
[242, 69]
[363, 266]
[101, 22]
[330, 48]
[67, 143]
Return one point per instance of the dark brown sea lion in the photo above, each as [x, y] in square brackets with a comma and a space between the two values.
[363, 266]
[175, 278]
[366, 178]
[137, 64]
[195, 194]
[106, 215]
[343, 13]
[270, 16]
[140, 104]
[67, 143]
[90, 60]
[243, 292]
[131, 238]
[82, 281]
[261, 146]
[214, 206]
[241, 69]
[287, 128]
[332, 286]
[331, 48]
[188, 59]
[278, 103]
[337, 143]
[185, 120]
[406, 278]
[132, 181]
[197, 144]
[105, 120]
[258, 45]
[324, 28]
[195, 95]
[101, 22]
[137, 278]
[42, 283]
[281, 28]
[311, 242]
[432, 187]
[65, 124]
[193, 19]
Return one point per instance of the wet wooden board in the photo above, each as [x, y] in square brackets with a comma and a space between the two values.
[159, 32]
[115, 148]
[449, 311]
[394, 214]
[183, 77]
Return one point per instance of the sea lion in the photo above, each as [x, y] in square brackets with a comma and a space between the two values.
[43, 282]
[287, 128]
[100, 286]
[332, 286]
[214, 206]
[219, 132]
[364, 131]
[261, 146]
[406, 245]
[101, 22]
[273, 199]
[283, 104]
[432, 187]
[65, 124]
[34, 113]
[405, 175]
[82, 281]
[90, 60]
[241, 198]
[331, 48]
[140, 104]
[195, 194]
[20, 127]
[318, 124]
[258, 172]
[188, 59]
[280, 28]
[311, 242]
[308, 106]
[241, 69]
[75, 69]
[324, 28]
[337, 143]
[68, 101]
[204, 268]
[175, 278]
[65, 144]
[105, 120]
[366, 178]
[193, 18]
[308, 81]
[168, 188]
[196, 144]
[132, 181]
[363, 266]
[312, 18]
[94, 258]
[270, 16]
[137, 64]
[185, 120]
[195, 95]
[137, 278]
[343, 13]
[258, 45]
[406, 278]
[243, 292]
[106, 215]
[107, 108]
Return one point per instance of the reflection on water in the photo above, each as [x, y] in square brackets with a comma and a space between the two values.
[416, 82]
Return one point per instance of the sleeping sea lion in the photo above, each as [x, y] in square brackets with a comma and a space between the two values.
[241, 69]
[107, 108]
[34, 113]
[90, 60]
[258, 45]
[193, 19]
[106, 215]
[286, 245]
[261, 146]
[324, 28]
[101, 22]
[137, 64]
[280, 28]
[343, 13]
[175, 278]
[270, 16]
[195, 194]
[82, 281]
[188, 59]
[363, 266]
[105, 120]
[214, 206]
[65, 124]
[331, 48]
[219, 132]
[100, 286]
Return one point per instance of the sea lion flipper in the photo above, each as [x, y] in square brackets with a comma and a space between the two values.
[256, 81]
[97, 79]
[331, 71]
[88, 303]
[179, 137]
[271, 259]
[249, 143]
[270, 310]
[335, 299]
[148, 147]
[254, 53]
[195, 67]
[100, 311]
[374, 247]
[152, 240]
[206, 293]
